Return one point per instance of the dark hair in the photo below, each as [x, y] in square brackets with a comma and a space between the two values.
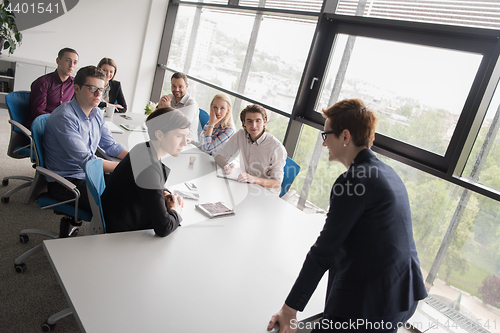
[352, 114]
[179, 75]
[88, 71]
[108, 61]
[165, 120]
[64, 50]
[252, 108]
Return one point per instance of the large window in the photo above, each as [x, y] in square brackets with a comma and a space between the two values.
[418, 91]
[261, 59]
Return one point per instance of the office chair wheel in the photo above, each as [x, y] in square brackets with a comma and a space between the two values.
[23, 239]
[5, 200]
[21, 268]
[46, 327]
[5, 182]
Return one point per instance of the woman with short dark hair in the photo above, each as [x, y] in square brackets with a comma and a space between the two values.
[134, 198]
[367, 242]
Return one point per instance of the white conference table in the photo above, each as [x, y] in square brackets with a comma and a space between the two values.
[227, 274]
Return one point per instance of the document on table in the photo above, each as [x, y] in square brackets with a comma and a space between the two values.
[234, 173]
[113, 128]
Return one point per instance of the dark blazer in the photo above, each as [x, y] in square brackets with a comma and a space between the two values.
[115, 96]
[366, 244]
[133, 198]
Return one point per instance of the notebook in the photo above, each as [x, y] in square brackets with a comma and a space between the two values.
[214, 209]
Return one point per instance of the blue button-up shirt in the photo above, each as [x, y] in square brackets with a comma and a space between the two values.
[71, 139]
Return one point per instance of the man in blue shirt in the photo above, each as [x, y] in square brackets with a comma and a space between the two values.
[72, 133]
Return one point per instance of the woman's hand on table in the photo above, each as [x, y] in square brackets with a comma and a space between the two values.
[174, 201]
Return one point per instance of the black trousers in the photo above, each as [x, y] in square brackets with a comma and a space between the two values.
[61, 193]
[389, 324]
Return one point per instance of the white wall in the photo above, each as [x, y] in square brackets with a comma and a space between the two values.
[128, 31]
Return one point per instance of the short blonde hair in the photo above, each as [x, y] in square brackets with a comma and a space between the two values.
[227, 121]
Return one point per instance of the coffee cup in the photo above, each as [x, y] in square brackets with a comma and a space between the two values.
[109, 111]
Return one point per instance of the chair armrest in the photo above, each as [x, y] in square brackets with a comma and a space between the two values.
[64, 182]
[21, 127]
[27, 133]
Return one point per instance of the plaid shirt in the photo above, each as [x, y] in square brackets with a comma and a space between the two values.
[220, 135]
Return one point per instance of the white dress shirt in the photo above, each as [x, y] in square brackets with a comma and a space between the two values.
[189, 107]
[264, 158]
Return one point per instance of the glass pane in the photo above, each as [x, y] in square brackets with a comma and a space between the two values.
[201, 39]
[417, 91]
[311, 152]
[483, 14]
[483, 164]
[221, 2]
[276, 123]
[219, 47]
[467, 278]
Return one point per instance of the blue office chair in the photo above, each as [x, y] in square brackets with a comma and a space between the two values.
[203, 117]
[72, 215]
[94, 177]
[291, 171]
[20, 137]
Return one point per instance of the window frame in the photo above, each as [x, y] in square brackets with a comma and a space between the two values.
[481, 41]
[469, 39]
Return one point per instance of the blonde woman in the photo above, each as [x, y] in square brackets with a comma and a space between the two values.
[219, 127]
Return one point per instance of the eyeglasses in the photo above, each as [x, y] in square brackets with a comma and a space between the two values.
[93, 89]
[324, 134]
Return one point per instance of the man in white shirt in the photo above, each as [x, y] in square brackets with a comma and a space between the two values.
[181, 100]
[263, 157]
